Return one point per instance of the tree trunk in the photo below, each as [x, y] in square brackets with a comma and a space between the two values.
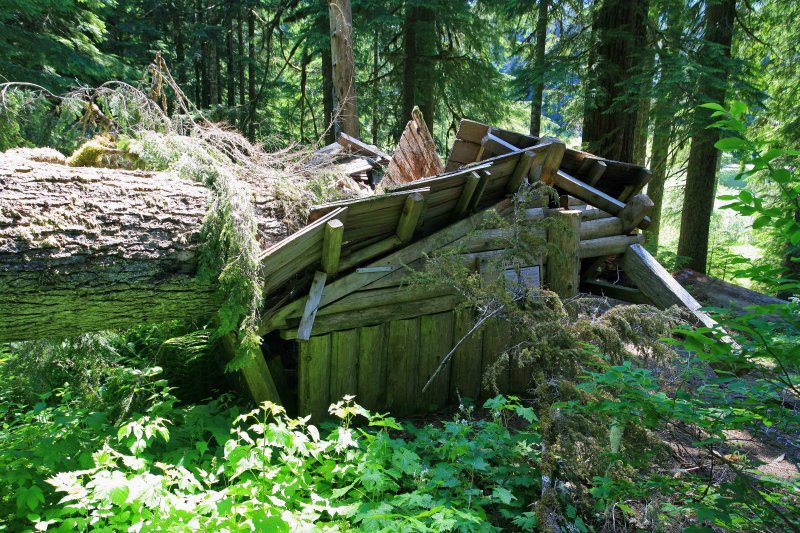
[240, 61]
[251, 72]
[419, 65]
[540, 69]
[344, 73]
[375, 86]
[87, 249]
[323, 27]
[230, 67]
[718, 293]
[701, 172]
[662, 136]
[610, 123]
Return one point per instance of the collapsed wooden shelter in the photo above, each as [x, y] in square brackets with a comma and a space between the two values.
[86, 249]
[339, 288]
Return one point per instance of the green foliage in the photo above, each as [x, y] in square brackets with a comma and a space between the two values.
[771, 195]
[209, 467]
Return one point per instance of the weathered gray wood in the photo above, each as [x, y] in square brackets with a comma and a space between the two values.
[472, 131]
[618, 292]
[355, 146]
[631, 216]
[719, 293]
[591, 213]
[495, 145]
[370, 252]
[635, 211]
[587, 193]
[495, 343]
[563, 271]
[312, 304]
[332, 246]
[467, 191]
[596, 172]
[372, 366]
[555, 153]
[520, 172]
[658, 285]
[643, 178]
[368, 205]
[485, 175]
[465, 375]
[396, 261]
[314, 377]
[436, 340]
[361, 300]
[412, 210]
[297, 252]
[256, 377]
[608, 245]
[402, 378]
[344, 364]
[602, 227]
[378, 315]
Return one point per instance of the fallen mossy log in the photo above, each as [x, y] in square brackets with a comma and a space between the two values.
[88, 249]
[718, 293]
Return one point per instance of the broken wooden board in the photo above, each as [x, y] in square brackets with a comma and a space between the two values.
[476, 141]
[415, 156]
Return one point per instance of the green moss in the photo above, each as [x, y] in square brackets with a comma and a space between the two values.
[101, 151]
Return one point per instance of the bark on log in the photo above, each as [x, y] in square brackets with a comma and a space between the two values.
[87, 249]
[717, 293]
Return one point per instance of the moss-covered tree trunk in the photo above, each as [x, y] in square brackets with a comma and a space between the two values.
[87, 249]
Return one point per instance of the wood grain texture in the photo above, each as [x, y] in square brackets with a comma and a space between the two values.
[314, 377]
[436, 340]
[402, 378]
[372, 366]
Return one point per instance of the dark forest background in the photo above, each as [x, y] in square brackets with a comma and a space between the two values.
[622, 79]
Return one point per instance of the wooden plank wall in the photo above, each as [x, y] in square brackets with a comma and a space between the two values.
[387, 365]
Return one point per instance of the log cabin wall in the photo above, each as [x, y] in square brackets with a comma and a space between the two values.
[386, 365]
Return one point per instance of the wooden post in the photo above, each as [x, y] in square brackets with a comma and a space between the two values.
[635, 211]
[596, 172]
[478, 194]
[658, 285]
[412, 210]
[555, 153]
[332, 246]
[470, 185]
[563, 255]
[520, 172]
[314, 379]
[312, 304]
[256, 376]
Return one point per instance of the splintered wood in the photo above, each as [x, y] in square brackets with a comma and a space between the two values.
[415, 156]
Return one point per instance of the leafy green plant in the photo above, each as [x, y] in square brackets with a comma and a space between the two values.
[771, 195]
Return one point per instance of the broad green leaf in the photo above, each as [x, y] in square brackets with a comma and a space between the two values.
[731, 143]
[761, 222]
[714, 106]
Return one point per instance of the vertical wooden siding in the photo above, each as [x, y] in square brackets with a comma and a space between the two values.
[386, 366]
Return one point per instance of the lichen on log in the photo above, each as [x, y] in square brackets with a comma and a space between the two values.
[86, 249]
